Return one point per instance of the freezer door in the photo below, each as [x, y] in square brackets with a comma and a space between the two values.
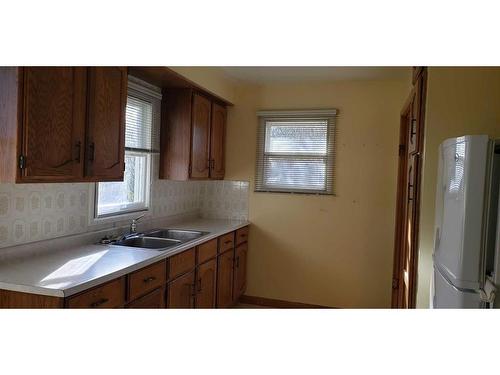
[460, 196]
[446, 296]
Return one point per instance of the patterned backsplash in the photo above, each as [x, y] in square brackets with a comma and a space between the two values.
[33, 212]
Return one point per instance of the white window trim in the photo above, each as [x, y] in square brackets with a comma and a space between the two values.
[134, 84]
[265, 115]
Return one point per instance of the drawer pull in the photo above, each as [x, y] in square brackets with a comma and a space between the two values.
[149, 279]
[99, 303]
[228, 241]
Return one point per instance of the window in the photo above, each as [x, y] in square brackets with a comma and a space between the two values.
[141, 140]
[295, 151]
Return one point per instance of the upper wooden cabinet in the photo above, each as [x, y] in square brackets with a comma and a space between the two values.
[106, 123]
[192, 136]
[62, 124]
[218, 141]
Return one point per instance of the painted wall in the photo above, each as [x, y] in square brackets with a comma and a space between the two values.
[326, 250]
[211, 78]
[459, 101]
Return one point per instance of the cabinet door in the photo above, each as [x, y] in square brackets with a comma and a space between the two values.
[217, 141]
[225, 280]
[106, 123]
[205, 284]
[180, 293]
[53, 123]
[153, 300]
[200, 142]
[240, 271]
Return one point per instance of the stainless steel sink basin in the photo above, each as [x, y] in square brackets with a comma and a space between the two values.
[148, 243]
[176, 234]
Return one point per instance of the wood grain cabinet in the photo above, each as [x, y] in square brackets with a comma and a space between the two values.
[181, 292]
[192, 136]
[240, 271]
[62, 124]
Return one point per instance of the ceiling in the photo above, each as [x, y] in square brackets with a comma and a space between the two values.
[266, 74]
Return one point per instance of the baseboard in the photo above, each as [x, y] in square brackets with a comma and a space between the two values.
[278, 304]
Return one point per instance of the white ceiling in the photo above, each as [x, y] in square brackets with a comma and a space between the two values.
[263, 74]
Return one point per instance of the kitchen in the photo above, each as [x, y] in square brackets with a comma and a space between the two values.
[214, 187]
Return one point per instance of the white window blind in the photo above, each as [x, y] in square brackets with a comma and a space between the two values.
[142, 124]
[295, 152]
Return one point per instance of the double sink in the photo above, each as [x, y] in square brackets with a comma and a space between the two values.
[160, 239]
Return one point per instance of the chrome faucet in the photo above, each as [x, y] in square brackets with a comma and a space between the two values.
[133, 224]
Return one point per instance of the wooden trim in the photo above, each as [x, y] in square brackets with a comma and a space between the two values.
[420, 91]
[167, 78]
[278, 304]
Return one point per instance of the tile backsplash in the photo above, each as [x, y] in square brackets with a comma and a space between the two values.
[33, 212]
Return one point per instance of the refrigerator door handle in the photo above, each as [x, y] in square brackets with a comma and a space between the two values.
[487, 293]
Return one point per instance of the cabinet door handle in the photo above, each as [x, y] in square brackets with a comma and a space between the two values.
[237, 262]
[91, 151]
[149, 279]
[78, 148]
[199, 285]
[99, 303]
[192, 288]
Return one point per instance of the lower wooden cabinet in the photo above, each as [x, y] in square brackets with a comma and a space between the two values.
[206, 281]
[240, 270]
[108, 295]
[181, 292]
[225, 280]
[153, 300]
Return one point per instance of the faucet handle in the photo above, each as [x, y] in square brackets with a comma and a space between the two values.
[138, 218]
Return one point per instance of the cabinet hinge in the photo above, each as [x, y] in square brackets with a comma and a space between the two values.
[402, 149]
[395, 283]
[22, 161]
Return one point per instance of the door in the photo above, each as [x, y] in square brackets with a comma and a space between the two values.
[240, 271]
[408, 198]
[106, 123]
[225, 280]
[200, 142]
[181, 293]
[205, 284]
[153, 300]
[217, 141]
[53, 123]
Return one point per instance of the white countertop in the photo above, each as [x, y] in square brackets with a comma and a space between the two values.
[64, 272]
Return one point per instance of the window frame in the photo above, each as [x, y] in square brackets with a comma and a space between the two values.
[134, 207]
[139, 90]
[265, 117]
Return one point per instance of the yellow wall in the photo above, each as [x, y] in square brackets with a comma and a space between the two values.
[334, 251]
[459, 101]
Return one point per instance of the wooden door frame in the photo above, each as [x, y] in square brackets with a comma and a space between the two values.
[419, 81]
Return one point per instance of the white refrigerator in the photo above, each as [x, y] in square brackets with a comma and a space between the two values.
[467, 236]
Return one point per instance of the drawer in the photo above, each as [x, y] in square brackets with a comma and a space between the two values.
[207, 250]
[146, 279]
[108, 295]
[226, 242]
[241, 235]
[181, 263]
[152, 300]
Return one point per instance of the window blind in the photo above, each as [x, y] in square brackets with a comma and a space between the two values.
[295, 152]
[142, 130]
